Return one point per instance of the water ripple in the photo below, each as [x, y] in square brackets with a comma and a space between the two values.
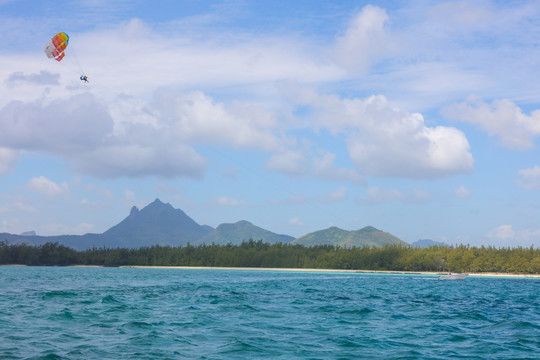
[98, 313]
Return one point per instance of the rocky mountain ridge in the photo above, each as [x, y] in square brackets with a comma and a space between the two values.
[161, 224]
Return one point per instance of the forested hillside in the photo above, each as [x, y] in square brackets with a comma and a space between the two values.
[260, 254]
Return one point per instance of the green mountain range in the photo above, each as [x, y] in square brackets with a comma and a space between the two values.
[161, 224]
[368, 236]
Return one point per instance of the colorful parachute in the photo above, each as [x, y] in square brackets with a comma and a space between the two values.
[56, 46]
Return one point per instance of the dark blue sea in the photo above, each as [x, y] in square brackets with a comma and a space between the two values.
[133, 313]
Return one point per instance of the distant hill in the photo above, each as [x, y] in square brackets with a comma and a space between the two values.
[424, 243]
[156, 224]
[161, 224]
[368, 236]
[241, 231]
[78, 242]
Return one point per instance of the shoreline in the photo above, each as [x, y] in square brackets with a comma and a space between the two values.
[389, 272]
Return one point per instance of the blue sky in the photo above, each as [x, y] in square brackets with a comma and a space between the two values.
[421, 120]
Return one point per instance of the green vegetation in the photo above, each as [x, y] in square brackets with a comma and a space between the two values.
[334, 236]
[260, 254]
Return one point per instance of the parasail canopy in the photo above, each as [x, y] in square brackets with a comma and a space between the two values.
[56, 46]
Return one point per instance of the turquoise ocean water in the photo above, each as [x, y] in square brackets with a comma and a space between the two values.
[127, 313]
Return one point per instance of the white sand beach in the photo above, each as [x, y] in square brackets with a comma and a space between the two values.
[490, 274]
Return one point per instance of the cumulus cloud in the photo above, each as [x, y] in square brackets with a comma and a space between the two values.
[106, 140]
[324, 168]
[133, 137]
[385, 141]
[291, 162]
[530, 178]
[166, 160]
[501, 118]
[44, 186]
[125, 136]
[198, 117]
[62, 126]
[42, 78]
[364, 39]
[298, 162]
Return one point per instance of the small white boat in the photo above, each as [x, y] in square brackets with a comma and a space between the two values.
[453, 276]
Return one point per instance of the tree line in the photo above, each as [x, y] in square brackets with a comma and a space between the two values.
[462, 258]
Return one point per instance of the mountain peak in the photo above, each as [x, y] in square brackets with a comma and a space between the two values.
[158, 203]
[134, 211]
[369, 229]
[156, 223]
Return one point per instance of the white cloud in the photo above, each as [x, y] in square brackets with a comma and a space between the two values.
[325, 168]
[529, 237]
[530, 178]
[296, 221]
[17, 206]
[501, 118]
[503, 232]
[505, 235]
[8, 158]
[63, 126]
[43, 78]
[44, 186]
[462, 192]
[229, 201]
[298, 162]
[292, 162]
[164, 159]
[81, 130]
[385, 141]
[197, 117]
[364, 39]
[407, 148]
[193, 60]
[381, 140]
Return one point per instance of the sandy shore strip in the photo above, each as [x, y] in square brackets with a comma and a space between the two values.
[434, 273]
[508, 275]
